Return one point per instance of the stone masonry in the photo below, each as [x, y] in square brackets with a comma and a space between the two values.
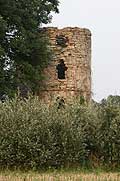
[75, 50]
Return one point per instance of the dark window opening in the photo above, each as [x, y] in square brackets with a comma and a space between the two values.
[61, 40]
[61, 68]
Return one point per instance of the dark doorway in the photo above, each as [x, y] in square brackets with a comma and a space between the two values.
[61, 68]
[60, 102]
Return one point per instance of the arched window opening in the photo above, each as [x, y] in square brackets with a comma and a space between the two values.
[61, 68]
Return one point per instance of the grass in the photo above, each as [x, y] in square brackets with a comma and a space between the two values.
[60, 175]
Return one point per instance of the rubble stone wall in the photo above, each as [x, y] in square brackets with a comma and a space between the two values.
[77, 57]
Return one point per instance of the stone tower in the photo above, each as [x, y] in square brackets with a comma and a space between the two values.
[69, 74]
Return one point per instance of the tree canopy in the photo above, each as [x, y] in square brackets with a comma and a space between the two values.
[24, 49]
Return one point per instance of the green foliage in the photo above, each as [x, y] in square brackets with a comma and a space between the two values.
[34, 135]
[24, 49]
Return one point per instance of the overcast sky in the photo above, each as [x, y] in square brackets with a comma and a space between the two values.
[102, 17]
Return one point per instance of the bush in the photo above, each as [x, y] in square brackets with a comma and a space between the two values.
[34, 135]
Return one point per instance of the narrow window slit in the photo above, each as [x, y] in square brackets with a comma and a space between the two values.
[61, 68]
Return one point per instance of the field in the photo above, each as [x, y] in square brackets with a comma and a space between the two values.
[59, 176]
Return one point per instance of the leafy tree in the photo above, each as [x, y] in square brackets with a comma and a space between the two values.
[24, 47]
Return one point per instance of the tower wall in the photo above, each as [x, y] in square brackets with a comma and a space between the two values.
[77, 57]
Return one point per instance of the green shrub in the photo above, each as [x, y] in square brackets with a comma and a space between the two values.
[33, 135]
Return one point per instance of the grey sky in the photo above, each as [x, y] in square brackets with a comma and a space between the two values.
[102, 17]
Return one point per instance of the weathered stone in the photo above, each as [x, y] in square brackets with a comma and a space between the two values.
[77, 58]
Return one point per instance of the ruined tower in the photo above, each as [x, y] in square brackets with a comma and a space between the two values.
[69, 74]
